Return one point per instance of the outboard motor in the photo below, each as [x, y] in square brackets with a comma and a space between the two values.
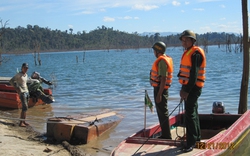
[218, 107]
[36, 75]
[36, 89]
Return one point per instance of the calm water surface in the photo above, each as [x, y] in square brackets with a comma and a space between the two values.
[116, 80]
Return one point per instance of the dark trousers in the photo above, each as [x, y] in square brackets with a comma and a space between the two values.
[162, 112]
[192, 117]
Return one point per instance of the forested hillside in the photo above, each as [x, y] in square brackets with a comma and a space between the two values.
[38, 39]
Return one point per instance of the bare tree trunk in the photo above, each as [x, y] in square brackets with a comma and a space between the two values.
[35, 58]
[2, 31]
[245, 76]
[83, 58]
[38, 55]
[39, 59]
[0, 57]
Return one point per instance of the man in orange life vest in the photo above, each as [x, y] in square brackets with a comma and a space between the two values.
[161, 78]
[192, 78]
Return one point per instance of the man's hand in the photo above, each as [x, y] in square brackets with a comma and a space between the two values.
[158, 98]
[18, 90]
[183, 95]
[50, 83]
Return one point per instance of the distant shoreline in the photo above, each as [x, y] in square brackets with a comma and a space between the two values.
[83, 50]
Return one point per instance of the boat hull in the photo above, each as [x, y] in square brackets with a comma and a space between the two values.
[10, 99]
[222, 134]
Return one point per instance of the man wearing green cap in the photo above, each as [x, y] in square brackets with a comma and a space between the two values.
[161, 79]
[192, 78]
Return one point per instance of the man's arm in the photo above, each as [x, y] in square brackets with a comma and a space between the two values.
[162, 74]
[12, 81]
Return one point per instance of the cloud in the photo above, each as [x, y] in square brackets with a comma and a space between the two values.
[198, 9]
[222, 6]
[2, 9]
[228, 27]
[108, 19]
[90, 11]
[175, 3]
[201, 1]
[86, 12]
[144, 7]
[82, 6]
[186, 3]
[127, 17]
[205, 29]
[222, 26]
[103, 10]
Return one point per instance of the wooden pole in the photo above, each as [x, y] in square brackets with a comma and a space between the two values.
[145, 116]
[245, 76]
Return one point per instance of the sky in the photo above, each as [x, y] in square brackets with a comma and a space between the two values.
[131, 16]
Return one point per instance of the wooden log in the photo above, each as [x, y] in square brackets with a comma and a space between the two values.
[81, 129]
[85, 133]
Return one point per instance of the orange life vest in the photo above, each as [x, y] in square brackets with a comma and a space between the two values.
[154, 77]
[186, 65]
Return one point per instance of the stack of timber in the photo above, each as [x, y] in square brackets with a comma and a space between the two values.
[81, 129]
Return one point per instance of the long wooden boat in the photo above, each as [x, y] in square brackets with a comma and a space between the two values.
[81, 129]
[222, 134]
[10, 99]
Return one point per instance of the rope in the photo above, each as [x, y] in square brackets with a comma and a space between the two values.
[157, 128]
[178, 136]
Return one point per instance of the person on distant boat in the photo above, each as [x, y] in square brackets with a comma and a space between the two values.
[191, 77]
[19, 82]
[161, 78]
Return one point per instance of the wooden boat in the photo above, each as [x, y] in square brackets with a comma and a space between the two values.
[4, 80]
[10, 99]
[222, 134]
[81, 129]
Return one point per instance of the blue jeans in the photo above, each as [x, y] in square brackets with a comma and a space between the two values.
[24, 97]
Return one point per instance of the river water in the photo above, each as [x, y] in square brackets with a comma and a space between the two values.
[116, 80]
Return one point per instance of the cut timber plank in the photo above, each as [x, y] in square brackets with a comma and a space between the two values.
[81, 129]
[85, 133]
